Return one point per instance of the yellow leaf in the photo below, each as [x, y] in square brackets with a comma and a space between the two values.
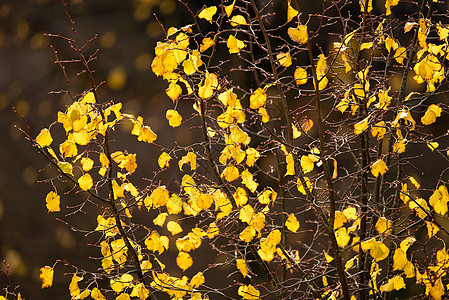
[247, 234]
[379, 168]
[379, 251]
[213, 230]
[383, 225]
[290, 165]
[248, 292]
[190, 158]
[395, 283]
[291, 12]
[208, 13]
[306, 164]
[284, 59]
[246, 213]
[240, 197]
[321, 69]
[68, 149]
[437, 290]
[300, 187]
[328, 257]
[197, 280]
[439, 200]
[399, 259]
[173, 117]
[206, 44]
[174, 204]
[234, 44]
[174, 227]
[379, 130]
[384, 99]
[292, 223]
[267, 196]
[85, 182]
[123, 296]
[96, 294]
[210, 83]
[389, 4]
[433, 111]
[300, 76]
[174, 90]
[298, 34]
[367, 45]
[432, 229]
[184, 260]
[391, 44]
[432, 145]
[263, 112]
[363, 3]
[46, 276]
[159, 197]
[237, 135]
[241, 265]
[251, 156]
[400, 55]
[361, 126]
[408, 26]
[164, 160]
[66, 167]
[140, 291]
[229, 8]
[230, 173]
[44, 138]
[73, 286]
[238, 20]
[350, 213]
[52, 201]
[342, 237]
[160, 219]
[258, 98]
[87, 164]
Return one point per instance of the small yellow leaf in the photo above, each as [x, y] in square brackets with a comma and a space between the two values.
[68, 149]
[53, 201]
[432, 145]
[300, 187]
[258, 98]
[383, 225]
[184, 260]
[66, 167]
[160, 219]
[361, 126]
[44, 138]
[298, 34]
[433, 111]
[399, 259]
[173, 117]
[300, 76]
[263, 112]
[388, 5]
[190, 158]
[246, 213]
[379, 251]
[234, 44]
[46, 276]
[439, 200]
[400, 55]
[197, 280]
[432, 229]
[284, 59]
[379, 168]
[248, 292]
[306, 164]
[174, 227]
[87, 164]
[174, 90]
[164, 160]
[140, 291]
[85, 182]
[210, 83]
[241, 265]
[206, 44]
[238, 20]
[208, 13]
[230, 173]
[229, 8]
[291, 12]
[290, 165]
[342, 237]
[96, 294]
[292, 223]
[328, 257]
[395, 283]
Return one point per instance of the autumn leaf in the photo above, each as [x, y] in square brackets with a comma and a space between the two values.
[248, 292]
[300, 76]
[433, 111]
[184, 260]
[235, 45]
[291, 12]
[206, 43]
[298, 34]
[290, 165]
[85, 182]
[52, 201]
[379, 168]
[46, 276]
[258, 98]
[173, 117]
[284, 59]
[174, 227]
[197, 280]
[164, 160]
[208, 13]
[292, 223]
[44, 138]
[439, 200]
[238, 20]
[361, 126]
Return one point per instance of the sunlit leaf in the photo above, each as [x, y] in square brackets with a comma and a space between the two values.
[44, 138]
[85, 182]
[52, 201]
[173, 117]
[46, 275]
[248, 292]
[235, 45]
[379, 168]
[238, 20]
[208, 13]
[298, 34]
[292, 223]
[184, 260]
[395, 283]
[300, 76]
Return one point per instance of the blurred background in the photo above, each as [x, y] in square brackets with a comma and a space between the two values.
[127, 33]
